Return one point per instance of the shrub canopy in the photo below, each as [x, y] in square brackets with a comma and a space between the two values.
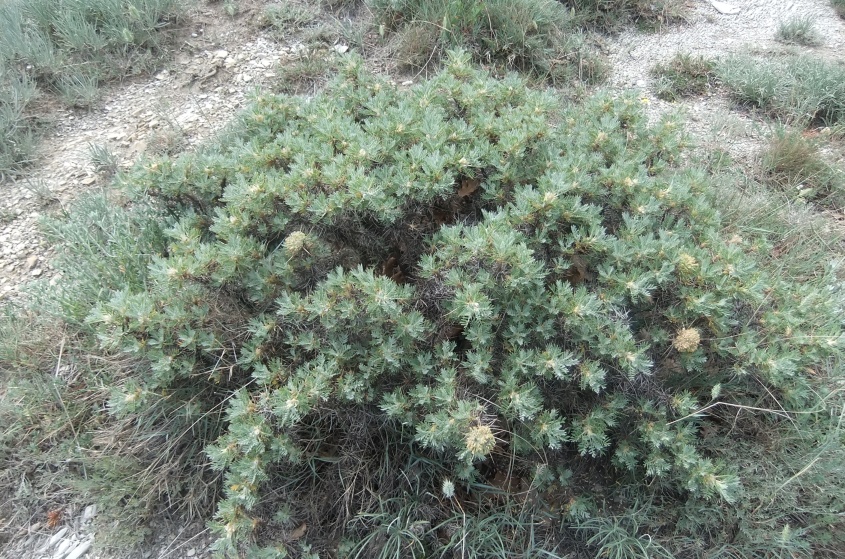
[434, 310]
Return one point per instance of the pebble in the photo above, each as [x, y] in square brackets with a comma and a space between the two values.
[78, 551]
[62, 549]
[724, 8]
[89, 513]
[54, 539]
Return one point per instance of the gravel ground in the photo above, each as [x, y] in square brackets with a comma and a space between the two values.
[210, 80]
[712, 119]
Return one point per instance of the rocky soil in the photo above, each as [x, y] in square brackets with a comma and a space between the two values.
[220, 62]
[74, 539]
[712, 119]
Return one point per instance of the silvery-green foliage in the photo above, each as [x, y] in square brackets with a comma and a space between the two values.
[494, 277]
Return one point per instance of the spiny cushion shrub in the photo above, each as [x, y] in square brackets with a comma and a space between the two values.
[459, 318]
[528, 35]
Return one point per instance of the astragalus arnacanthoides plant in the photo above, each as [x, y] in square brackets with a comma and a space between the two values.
[457, 307]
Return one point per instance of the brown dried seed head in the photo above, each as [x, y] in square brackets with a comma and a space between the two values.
[687, 340]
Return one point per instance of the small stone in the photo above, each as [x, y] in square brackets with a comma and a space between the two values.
[162, 75]
[137, 148]
[89, 513]
[186, 117]
[31, 262]
[62, 549]
[53, 539]
[340, 49]
[79, 550]
[36, 272]
[724, 8]
[191, 552]
[88, 181]
[221, 54]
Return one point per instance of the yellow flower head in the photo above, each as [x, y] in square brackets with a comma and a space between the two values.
[480, 440]
[687, 264]
[295, 242]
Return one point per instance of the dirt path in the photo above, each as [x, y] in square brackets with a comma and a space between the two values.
[209, 80]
